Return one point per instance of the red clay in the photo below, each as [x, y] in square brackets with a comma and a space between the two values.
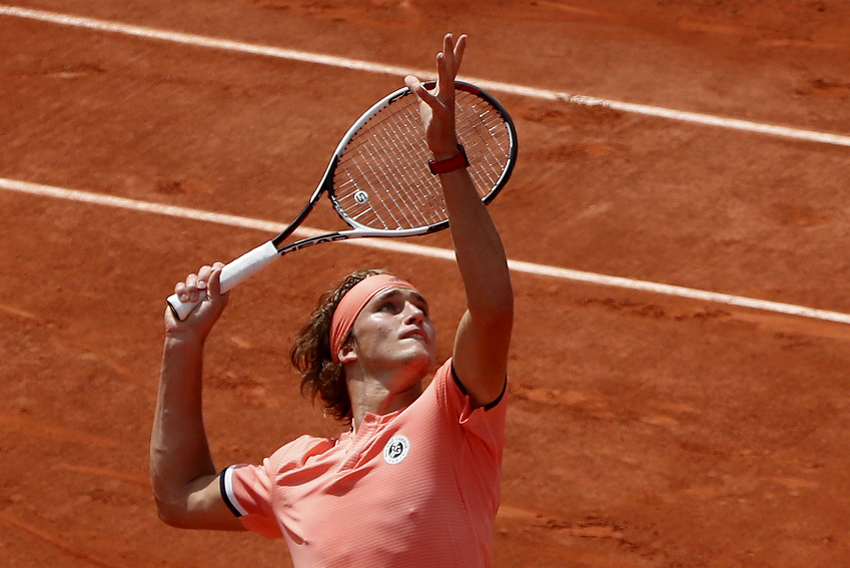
[643, 431]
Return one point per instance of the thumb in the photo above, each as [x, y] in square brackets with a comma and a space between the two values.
[214, 286]
[214, 281]
[415, 85]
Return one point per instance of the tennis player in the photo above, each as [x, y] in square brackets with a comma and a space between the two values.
[414, 481]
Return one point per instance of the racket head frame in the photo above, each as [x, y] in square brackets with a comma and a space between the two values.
[361, 230]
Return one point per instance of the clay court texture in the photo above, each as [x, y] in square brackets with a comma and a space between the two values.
[678, 223]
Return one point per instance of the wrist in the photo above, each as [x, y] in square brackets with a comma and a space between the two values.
[445, 148]
[445, 162]
[183, 340]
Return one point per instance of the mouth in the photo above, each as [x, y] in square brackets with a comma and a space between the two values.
[415, 333]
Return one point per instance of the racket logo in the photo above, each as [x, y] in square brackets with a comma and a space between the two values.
[361, 196]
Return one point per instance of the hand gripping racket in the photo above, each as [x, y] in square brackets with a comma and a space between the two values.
[379, 182]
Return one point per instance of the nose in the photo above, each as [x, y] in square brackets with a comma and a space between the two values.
[412, 313]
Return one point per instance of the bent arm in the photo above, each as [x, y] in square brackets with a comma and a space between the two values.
[183, 477]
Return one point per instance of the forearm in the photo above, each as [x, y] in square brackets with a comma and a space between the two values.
[484, 333]
[478, 248]
[179, 450]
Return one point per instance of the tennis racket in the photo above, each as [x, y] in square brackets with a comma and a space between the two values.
[379, 182]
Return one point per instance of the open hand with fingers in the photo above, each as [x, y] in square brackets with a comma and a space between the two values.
[438, 104]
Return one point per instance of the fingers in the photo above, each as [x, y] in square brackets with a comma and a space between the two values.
[453, 52]
[448, 64]
[190, 289]
[206, 284]
[460, 49]
[415, 85]
[437, 106]
[450, 59]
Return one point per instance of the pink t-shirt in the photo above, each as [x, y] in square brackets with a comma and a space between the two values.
[418, 487]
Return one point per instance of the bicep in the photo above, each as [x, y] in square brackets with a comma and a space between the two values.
[202, 507]
[480, 356]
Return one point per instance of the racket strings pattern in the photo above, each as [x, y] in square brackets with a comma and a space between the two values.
[486, 139]
[382, 180]
[373, 177]
[414, 208]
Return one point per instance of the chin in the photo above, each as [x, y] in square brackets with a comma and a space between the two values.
[420, 361]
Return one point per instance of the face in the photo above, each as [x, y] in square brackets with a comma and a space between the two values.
[394, 332]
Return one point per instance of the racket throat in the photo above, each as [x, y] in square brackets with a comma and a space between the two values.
[278, 240]
[308, 242]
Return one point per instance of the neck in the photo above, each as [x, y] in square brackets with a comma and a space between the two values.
[381, 395]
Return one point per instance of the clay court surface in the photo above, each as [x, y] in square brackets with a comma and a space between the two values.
[644, 430]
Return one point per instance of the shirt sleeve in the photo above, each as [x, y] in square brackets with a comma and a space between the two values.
[248, 490]
[486, 424]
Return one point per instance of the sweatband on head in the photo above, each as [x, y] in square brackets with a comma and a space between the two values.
[353, 303]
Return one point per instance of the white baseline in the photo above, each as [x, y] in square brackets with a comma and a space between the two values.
[408, 248]
[343, 62]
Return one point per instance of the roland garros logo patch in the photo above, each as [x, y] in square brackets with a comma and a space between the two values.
[396, 449]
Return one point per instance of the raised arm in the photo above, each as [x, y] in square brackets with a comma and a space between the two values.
[183, 478]
[483, 336]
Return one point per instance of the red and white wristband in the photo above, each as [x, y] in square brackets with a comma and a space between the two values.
[456, 162]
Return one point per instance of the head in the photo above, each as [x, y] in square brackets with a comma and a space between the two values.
[329, 340]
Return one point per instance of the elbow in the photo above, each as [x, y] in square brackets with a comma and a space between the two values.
[170, 513]
[166, 513]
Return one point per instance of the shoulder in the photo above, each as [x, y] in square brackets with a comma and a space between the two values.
[298, 451]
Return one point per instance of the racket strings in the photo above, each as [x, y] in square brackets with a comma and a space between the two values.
[420, 205]
[486, 140]
[390, 206]
[382, 180]
[383, 184]
[412, 190]
[387, 209]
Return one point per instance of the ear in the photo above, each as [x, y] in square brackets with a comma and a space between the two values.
[347, 353]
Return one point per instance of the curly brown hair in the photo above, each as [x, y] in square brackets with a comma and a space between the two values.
[311, 352]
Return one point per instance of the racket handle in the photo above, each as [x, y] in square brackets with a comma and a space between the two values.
[232, 274]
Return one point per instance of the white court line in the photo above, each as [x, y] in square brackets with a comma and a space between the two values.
[202, 41]
[419, 250]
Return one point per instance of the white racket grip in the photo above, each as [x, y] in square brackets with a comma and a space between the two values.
[232, 274]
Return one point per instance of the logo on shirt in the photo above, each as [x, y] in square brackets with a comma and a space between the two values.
[396, 449]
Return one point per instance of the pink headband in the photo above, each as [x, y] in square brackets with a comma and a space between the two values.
[353, 303]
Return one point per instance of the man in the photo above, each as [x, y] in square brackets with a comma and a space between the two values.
[415, 482]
